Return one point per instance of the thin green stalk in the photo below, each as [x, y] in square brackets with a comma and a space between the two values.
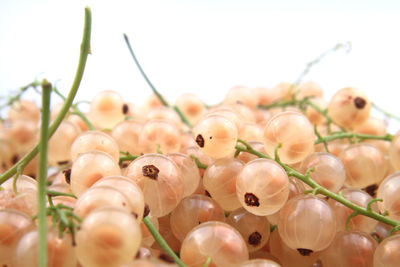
[163, 101]
[127, 157]
[198, 163]
[208, 261]
[352, 136]
[183, 117]
[319, 189]
[160, 240]
[55, 194]
[155, 91]
[85, 50]
[384, 112]
[21, 91]
[83, 117]
[76, 110]
[42, 176]
[319, 58]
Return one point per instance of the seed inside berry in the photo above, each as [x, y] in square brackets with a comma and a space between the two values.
[255, 238]
[200, 140]
[359, 102]
[251, 200]
[67, 175]
[125, 108]
[14, 159]
[150, 171]
[304, 251]
[166, 258]
[371, 190]
[146, 210]
[60, 163]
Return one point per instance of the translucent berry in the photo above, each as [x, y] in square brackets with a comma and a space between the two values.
[192, 211]
[216, 136]
[161, 181]
[307, 223]
[254, 229]
[350, 248]
[349, 107]
[107, 237]
[95, 140]
[220, 182]
[106, 109]
[217, 240]
[90, 167]
[262, 187]
[295, 134]
[389, 192]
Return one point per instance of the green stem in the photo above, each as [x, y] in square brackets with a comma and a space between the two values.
[127, 157]
[360, 137]
[155, 91]
[208, 261]
[183, 117]
[318, 59]
[85, 50]
[384, 112]
[83, 117]
[42, 212]
[160, 240]
[76, 110]
[321, 190]
[21, 91]
[198, 163]
[163, 101]
[55, 194]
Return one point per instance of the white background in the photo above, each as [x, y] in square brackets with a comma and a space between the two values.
[204, 47]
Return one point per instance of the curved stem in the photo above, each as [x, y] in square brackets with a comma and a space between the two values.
[321, 190]
[85, 50]
[127, 157]
[76, 110]
[387, 114]
[42, 227]
[21, 91]
[159, 96]
[311, 64]
[55, 194]
[198, 162]
[163, 101]
[79, 113]
[160, 240]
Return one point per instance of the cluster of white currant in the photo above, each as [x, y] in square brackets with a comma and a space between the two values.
[212, 200]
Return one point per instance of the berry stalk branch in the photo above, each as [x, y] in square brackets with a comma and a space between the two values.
[317, 189]
[85, 50]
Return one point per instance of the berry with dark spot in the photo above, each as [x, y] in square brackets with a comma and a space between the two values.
[251, 200]
[166, 258]
[67, 175]
[371, 190]
[125, 108]
[150, 171]
[359, 102]
[200, 140]
[146, 210]
[304, 251]
[255, 238]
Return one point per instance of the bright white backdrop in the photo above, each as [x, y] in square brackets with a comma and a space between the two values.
[204, 47]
